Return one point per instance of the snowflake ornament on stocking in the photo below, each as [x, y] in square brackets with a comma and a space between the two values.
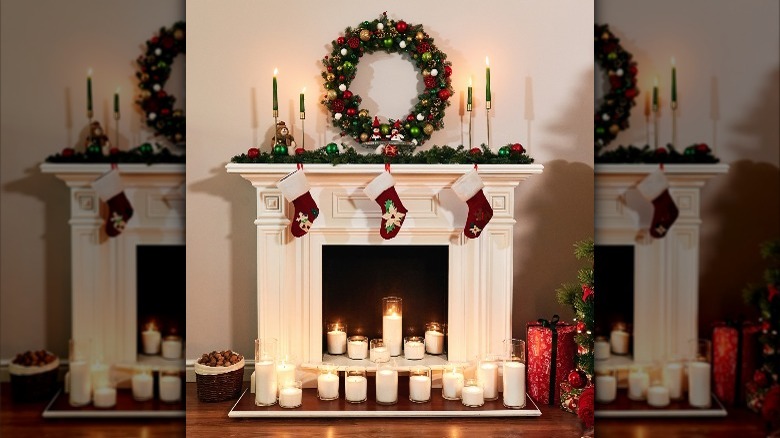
[382, 190]
[469, 189]
[110, 190]
[295, 187]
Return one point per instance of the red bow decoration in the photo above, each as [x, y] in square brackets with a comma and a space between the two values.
[773, 292]
[586, 292]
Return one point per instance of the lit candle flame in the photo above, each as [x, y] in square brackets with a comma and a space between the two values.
[276, 71]
[655, 81]
[673, 62]
[303, 90]
[470, 81]
[89, 72]
[487, 61]
[117, 90]
[151, 326]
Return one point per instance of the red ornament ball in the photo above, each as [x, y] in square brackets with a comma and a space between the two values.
[391, 150]
[341, 40]
[661, 152]
[517, 148]
[765, 326]
[253, 153]
[702, 148]
[113, 151]
[444, 94]
[581, 327]
[337, 106]
[353, 42]
[576, 378]
[68, 152]
[351, 112]
[410, 118]
[447, 71]
[475, 151]
[631, 93]
[430, 81]
[299, 151]
[347, 94]
[760, 378]
[401, 26]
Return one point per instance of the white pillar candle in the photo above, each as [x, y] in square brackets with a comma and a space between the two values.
[98, 375]
[419, 388]
[452, 385]
[487, 375]
[606, 389]
[380, 354]
[658, 396]
[143, 386]
[355, 389]
[473, 396]
[673, 379]
[414, 349]
[618, 339]
[265, 383]
[170, 388]
[601, 350]
[514, 384]
[104, 397]
[387, 387]
[699, 384]
[290, 397]
[638, 382]
[285, 372]
[392, 333]
[80, 383]
[357, 348]
[171, 347]
[328, 386]
[434, 342]
[150, 339]
[337, 342]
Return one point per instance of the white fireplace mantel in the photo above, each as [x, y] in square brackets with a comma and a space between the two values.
[666, 271]
[289, 270]
[103, 269]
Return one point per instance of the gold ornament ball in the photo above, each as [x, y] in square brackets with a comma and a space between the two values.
[330, 77]
[363, 113]
[178, 113]
[614, 129]
[177, 136]
[428, 129]
[365, 35]
[426, 73]
[424, 102]
[363, 137]
[178, 34]
[331, 94]
[419, 36]
[146, 94]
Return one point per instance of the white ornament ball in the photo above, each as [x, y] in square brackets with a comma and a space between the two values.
[380, 150]
[343, 87]
[619, 72]
[605, 117]
[402, 44]
[337, 116]
[420, 117]
[343, 52]
[158, 51]
[152, 116]
[380, 26]
[434, 72]
[156, 87]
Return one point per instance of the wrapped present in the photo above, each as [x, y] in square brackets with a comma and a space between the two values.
[735, 357]
[550, 356]
[570, 397]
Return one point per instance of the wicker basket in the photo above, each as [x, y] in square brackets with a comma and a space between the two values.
[31, 384]
[215, 386]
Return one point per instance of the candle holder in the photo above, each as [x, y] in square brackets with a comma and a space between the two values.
[699, 373]
[116, 128]
[414, 347]
[392, 324]
[386, 385]
[285, 370]
[169, 385]
[473, 394]
[266, 384]
[151, 339]
[291, 394]
[514, 374]
[619, 338]
[337, 338]
[487, 118]
[468, 109]
[357, 347]
[452, 382]
[434, 338]
[355, 385]
[420, 384]
[655, 125]
[171, 347]
[104, 397]
[638, 382]
[303, 130]
[142, 383]
[673, 372]
[606, 386]
[601, 349]
[487, 374]
[327, 381]
[378, 353]
[79, 372]
[674, 122]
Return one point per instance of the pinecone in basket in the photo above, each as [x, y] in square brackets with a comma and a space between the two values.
[220, 358]
[34, 358]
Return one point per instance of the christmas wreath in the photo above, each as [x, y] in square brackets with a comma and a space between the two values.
[612, 115]
[154, 69]
[389, 36]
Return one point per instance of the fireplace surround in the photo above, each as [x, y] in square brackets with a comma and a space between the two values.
[289, 270]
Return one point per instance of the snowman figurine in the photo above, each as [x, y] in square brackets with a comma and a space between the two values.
[395, 133]
[376, 135]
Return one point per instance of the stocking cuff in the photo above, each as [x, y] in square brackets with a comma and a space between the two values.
[108, 185]
[468, 185]
[294, 185]
[378, 185]
[653, 185]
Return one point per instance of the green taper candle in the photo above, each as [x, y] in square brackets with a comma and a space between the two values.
[674, 81]
[276, 101]
[487, 79]
[89, 90]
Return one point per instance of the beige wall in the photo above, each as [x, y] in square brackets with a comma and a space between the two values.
[542, 84]
[728, 72]
[47, 47]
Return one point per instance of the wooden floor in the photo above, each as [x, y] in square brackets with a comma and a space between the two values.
[211, 420]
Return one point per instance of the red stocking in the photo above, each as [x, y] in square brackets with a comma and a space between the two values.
[295, 187]
[469, 189]
[382, 190]
[110, 190]
[655, 188]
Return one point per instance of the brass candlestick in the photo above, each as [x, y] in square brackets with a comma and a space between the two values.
[674, 122]
[303, 131]
[487, 117]
[116, 128]
[276, 122]
[655, 125]
[468, 109]
[89, 125]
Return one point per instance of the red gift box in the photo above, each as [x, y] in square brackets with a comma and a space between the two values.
[735, 355]
[549, 343]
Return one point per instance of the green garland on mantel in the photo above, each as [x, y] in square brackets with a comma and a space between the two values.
[435, 155]
[143, 154]
[694, 154]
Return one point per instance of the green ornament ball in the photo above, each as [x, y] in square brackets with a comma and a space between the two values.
[145, 148]
[93, 149]
[612, 56]
[348, 65]
[415, 131]
[690, 150]
[599, 130]
[426, 56]
[388, 42]
[332, 149]
[280, 149]
[384, 128]
[504, 151]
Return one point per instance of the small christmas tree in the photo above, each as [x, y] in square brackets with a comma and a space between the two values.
[766, 298]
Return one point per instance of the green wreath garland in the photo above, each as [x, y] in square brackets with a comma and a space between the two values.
[154, 69]
[612, 116]
[389, 36]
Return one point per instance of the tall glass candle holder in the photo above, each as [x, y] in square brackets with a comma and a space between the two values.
[699, 373]
[291, 394]
[487, 374]
[328, 381]
[355, 385]
[285, 370]
[169, 385]
[473, 394]
[79, 372]
[638, 382]
[337, 338]
[452, 382]
[266, 383]
[357, 347]
[142, 383]
[392, 324]
[386, 385]
[434, 338]
[514, 374]
[379, 353]
[420, 384]
[414, 347]
[606, 386]
[619, 338]
[673, 378]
